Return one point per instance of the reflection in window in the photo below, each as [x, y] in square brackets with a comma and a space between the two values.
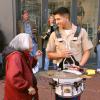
[80, 13]
[87, 15]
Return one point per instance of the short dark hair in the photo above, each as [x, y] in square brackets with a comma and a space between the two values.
[25, 11]
[62, 11]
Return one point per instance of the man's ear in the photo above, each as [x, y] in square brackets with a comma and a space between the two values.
[66, 18]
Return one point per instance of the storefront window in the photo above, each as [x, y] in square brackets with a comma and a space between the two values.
[87, 16]
[52, 5]
[87, 12]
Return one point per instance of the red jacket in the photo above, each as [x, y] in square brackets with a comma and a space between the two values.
[19, 76]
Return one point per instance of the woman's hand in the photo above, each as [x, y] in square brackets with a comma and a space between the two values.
[31, 91]
[38, 54]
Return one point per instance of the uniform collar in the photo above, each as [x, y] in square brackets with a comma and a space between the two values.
[73, 29]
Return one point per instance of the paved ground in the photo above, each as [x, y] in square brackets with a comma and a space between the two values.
[91, 92]
[1, 89]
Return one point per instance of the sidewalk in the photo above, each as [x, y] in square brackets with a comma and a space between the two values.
[1, 89]
[91, 92]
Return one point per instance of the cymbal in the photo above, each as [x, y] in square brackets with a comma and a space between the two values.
[57, 74]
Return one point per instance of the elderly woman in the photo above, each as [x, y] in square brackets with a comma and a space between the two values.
[20, 82]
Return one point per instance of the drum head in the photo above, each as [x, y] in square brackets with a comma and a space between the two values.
[72, 76]
[65, 74]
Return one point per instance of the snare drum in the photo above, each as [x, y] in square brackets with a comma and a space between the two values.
[69, 87]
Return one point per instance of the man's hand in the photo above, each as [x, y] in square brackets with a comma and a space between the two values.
[74, 68]
[77, 68]
[34, 31]
[64, 54]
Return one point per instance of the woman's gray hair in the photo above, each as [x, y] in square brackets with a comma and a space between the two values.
[20, 42]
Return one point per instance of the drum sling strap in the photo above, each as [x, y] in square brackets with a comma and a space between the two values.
[72, 59]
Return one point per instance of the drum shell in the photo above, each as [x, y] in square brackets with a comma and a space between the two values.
[66, 87]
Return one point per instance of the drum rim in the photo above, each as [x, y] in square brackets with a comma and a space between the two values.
[69, 96]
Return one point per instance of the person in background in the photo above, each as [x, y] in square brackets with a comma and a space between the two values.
[20, 82]
[25, 25]
[2, 45]
[79, 48]
[98, 49]
[48, 30]
[80, 13]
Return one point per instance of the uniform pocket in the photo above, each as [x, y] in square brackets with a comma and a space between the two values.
[75, 44]
[60, 45]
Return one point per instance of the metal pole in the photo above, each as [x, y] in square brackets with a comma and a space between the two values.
[74, 11]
